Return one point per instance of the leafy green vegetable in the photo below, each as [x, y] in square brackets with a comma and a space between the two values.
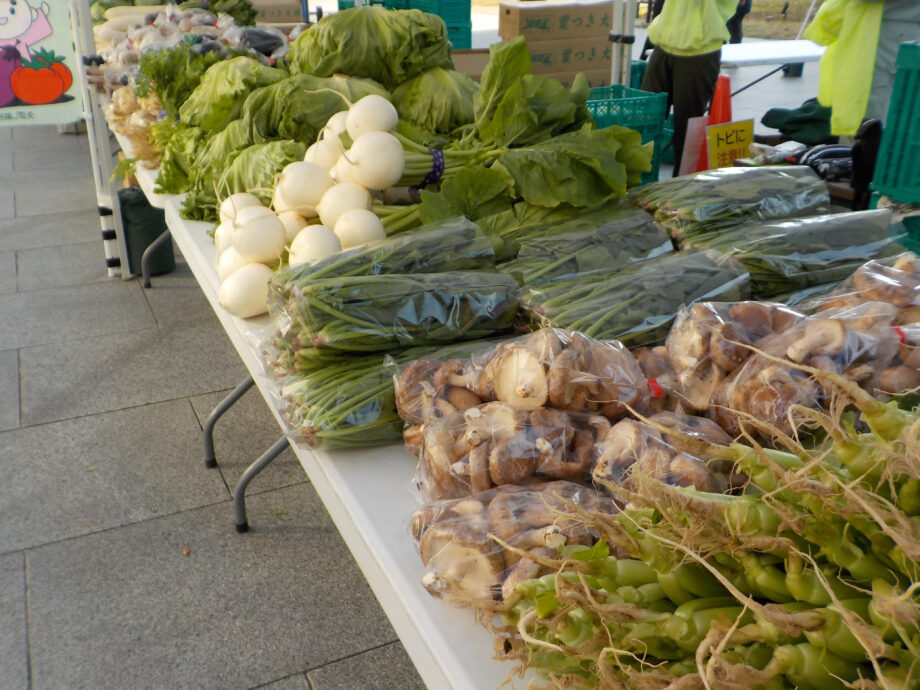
[471, 192]
[438, 100]
[804, 252]
[241, 10]
[389, 46]
[172, 74]
[218, 98]
[216, 154]
[177, 163]
[509, 61]
[579, 168]
[299, 106]
[251, 170]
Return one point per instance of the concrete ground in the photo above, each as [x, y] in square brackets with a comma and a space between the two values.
[119, 565]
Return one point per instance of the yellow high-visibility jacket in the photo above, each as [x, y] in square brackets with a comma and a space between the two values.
[849, 29]
[692, 27]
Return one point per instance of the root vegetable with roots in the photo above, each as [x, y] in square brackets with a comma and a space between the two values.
[808, 579]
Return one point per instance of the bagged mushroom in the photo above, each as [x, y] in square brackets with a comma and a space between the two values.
[551, 367]
[495, 444]
[477, 549]
[711, 339]
[858, 342]
[631, 446]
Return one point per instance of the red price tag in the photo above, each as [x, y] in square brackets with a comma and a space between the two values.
[655, 387]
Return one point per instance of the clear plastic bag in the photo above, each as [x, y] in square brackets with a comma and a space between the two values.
[584, 251]
[804, 252]
[637, 305]
[709, 341]
[711, 199]
[859, 342]
[462, 542]
[381, 312]
[494, 444]
[554, 368]
[633, 446]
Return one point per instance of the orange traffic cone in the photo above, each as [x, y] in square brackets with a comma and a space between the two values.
[720, 112]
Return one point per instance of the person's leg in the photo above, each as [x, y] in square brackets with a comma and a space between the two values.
[694, 79]
[658, 77]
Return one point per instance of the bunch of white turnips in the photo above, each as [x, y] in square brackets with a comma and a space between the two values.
[332, 184]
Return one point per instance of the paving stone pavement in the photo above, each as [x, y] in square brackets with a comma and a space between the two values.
[119, 564]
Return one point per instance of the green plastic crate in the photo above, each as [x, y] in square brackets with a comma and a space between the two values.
[897, 171]
[460, 37]
[639, 110]
[455, 13]
[348, 4]
[637, 73]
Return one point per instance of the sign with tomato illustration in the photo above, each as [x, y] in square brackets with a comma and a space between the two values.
[36, 58]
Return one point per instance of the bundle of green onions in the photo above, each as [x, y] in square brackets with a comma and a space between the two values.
[350, 402]
[810, 579]
[635, 305]
[379, 312]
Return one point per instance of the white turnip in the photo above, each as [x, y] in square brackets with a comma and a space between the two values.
[376, 160]
[258, 235]
[313, 243]
[234, 203]
[372, 113]
[293, 223]
[340, 198]
[228, 262]
[223, 237]
[358, 226]
[324, 153]
[245, 291]
[300, 186]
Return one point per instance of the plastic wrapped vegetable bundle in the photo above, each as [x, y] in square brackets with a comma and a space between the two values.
[895, 281]
[804, 252]
[373, 313]
[638, 304]
[858, 343]
[218, 99]
[388, 46]
[563, 370]
[477, 550]
[607, 246]
[454, 244]
[713, 199]
[350, 401]
[709, 340]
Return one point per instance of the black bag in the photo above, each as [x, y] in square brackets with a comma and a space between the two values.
[143, 224]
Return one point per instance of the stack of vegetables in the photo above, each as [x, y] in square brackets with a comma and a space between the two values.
[762, 562]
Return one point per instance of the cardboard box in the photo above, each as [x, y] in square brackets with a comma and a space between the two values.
[277, 11]
[596, 78]
[540, 21]
[471, 62]
[568, 55]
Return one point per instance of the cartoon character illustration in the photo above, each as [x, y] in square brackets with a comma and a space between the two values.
[22, 26]
[28, 75]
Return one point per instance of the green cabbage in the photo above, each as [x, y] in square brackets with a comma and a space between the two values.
[439, 100]
[389, 46]
[299, 107]
[219, 98]
[178, 161]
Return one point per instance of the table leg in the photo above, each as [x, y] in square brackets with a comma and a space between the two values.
[210, 460]
[148, 252]
[239, 491]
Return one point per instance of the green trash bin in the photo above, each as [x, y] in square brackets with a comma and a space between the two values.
[143, 224]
